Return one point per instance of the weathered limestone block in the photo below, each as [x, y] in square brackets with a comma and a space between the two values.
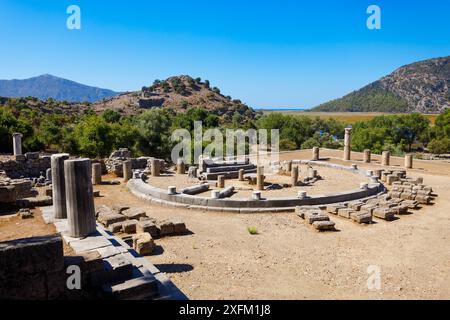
[129, 226]
[391, 179]
[324, 225]
[147, 226]
[108, 219]
[313, 216]
[166, 228]
[423, 199]
[8, 194]
[179, 227]
[143, 243]
[346, 213]
[334, 208]
[384, 213]
[134, 213]
[362, 217]
[356, 206]
[115, 227]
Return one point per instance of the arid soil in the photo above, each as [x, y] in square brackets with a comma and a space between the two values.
[13, 227]
[329, 184]
[288, 260]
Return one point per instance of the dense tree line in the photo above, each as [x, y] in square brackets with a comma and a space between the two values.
[97, 135]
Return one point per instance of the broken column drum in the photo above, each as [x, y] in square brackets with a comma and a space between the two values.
[294, 176]
[316, 153]
[79, 197]
[59, 185]
[386, 158]
[155, 167]
[127, 170]
[260, 178]
[367, 156]
[408, 161]
[96, 173]
[181, 167]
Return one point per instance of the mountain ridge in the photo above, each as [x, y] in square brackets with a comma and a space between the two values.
[48, 86]
[422, 87]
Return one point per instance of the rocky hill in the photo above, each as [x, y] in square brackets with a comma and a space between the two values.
[179, 94]
[48, 86]
[419, 87]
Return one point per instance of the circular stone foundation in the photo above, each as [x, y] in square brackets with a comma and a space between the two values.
[328, 190]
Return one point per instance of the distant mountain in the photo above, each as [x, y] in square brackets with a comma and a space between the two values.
[48, 86]
[419, 87]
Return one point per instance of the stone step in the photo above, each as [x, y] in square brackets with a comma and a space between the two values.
[227, 174]
[231, 168]
[141, 288]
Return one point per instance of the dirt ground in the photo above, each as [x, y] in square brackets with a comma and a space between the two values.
[329, 183]
[12, 227]
[288, 260]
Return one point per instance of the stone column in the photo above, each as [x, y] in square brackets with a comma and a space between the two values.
[241, 174]
[409, 161]
[367, 156]
[260, 178]
[59, 185]
[155, 168]
[294, 176]
[128, 170]
[348, 144]
[289, 166]
[386, 158]
[221, 182]
[80, 197]
[48, 174]
[17, 144]
[181, 167]
[316, 154]
[96, 174]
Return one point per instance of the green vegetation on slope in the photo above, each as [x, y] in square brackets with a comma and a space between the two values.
[372, 98]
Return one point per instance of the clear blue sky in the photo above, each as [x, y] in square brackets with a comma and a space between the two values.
[278, 53]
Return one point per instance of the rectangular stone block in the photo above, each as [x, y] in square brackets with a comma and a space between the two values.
[362, 217]
[31, 256]
[129, 226]
[423, 199]
[116, 227]
[384, 213]
[356, 206]
[143, 243]
[147, 226]
[324, 225]
[111, 218]
[345, 213]
[166, 228]
[333, 208]
[134, 213]
[313, 216]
